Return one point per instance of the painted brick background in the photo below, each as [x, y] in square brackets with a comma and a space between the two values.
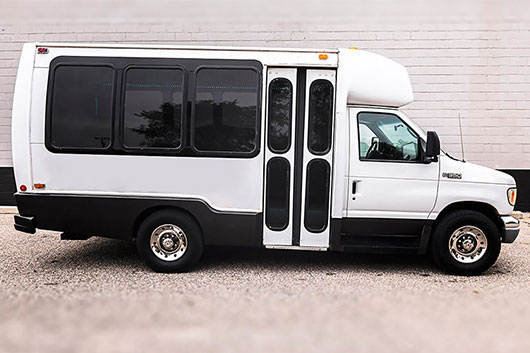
[465, 57]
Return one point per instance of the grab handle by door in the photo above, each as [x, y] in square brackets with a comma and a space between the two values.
[354, 187]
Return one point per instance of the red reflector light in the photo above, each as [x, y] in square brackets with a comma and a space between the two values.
[23, 188]
[42, 50]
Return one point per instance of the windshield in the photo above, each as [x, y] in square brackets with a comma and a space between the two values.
[420, 129]
[414, 126]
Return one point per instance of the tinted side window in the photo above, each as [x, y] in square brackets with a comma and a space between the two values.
[386, 137]
[280, 115]
[320, 116]
[153, 107]
[81, 107]
[226, 110]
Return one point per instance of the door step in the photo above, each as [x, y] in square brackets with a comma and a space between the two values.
[381, 244]
[288, 247]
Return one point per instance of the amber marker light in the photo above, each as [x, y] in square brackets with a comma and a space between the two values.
[323, 56]
[39, 186]
[512, 196]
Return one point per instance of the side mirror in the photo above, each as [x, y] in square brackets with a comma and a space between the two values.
[432, 148]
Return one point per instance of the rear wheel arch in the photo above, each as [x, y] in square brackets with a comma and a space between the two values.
[154, 209]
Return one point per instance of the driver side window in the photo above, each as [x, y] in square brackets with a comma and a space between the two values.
[386, 137]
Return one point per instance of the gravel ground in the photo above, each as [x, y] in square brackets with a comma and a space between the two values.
[96, 295]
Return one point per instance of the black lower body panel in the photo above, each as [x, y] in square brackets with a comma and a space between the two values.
[120, 216]
[380, 235]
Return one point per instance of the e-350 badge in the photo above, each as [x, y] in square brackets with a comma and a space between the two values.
[452, 175]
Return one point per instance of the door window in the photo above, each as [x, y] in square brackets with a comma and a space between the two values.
[277, 197]
[317, 195]
[280, 114]
[320, 116]
[386, 137]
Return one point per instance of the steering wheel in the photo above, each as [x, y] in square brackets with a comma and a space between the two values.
[371, 149]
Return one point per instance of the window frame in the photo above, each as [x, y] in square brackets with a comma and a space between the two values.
[49, 108]
[421, 142]
[183, 122]
[193, 100]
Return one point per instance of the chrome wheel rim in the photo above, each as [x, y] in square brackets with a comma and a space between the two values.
[168, 242]
[468, 244]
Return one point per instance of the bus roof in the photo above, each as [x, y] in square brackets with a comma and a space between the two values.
[183, 47]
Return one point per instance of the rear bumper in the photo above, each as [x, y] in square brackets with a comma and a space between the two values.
[511, 229]
[25, 224]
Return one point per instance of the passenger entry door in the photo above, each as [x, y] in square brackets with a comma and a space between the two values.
[298, 157]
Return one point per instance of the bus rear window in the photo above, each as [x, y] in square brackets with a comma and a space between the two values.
[81, 107]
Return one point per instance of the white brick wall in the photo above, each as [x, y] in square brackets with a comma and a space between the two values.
[465, 57]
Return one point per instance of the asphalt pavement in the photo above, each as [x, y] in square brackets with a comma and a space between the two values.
[97, 296]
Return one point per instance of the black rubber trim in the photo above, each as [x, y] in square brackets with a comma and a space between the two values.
[299, 153]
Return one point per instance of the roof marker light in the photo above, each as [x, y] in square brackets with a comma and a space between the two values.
[353, 48]
[42, 50]
[323, 56]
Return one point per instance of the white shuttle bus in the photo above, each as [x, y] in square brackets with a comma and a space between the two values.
[179, 148]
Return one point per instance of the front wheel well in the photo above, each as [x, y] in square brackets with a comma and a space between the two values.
[484, 208]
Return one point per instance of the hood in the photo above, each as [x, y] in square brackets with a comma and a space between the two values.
[450, 170]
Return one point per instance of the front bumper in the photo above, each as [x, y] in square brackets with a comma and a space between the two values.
[25, 224]
[511, 229]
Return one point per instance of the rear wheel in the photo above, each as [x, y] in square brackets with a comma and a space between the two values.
[466, 243]
[169, 241]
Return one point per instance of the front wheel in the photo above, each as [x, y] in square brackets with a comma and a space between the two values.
[169, 241]
[466, 243]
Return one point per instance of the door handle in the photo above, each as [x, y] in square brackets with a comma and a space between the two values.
[353, 188]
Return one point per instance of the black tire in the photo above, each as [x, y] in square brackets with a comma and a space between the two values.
[192, 232]
[449, 224]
